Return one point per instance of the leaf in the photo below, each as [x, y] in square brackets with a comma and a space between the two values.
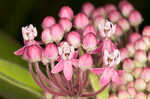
[7, 48]
[16, 81]
[96, 86]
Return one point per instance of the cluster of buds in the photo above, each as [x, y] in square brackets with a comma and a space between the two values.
[88, 42]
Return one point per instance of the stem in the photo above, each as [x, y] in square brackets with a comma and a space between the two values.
[94, 93]
[78, 80]
[137, 29]
[40, 83]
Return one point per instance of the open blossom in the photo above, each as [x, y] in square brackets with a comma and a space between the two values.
[106, 29]
[67, 59]
[29, 32]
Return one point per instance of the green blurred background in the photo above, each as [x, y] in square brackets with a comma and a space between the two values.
[17, 13]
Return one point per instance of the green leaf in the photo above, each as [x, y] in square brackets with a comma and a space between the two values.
[16, 82]
[96, 86]
[7, 48]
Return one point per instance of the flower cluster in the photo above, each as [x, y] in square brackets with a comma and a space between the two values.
[86, 42]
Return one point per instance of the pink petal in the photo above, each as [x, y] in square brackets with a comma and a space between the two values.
[97, 71]
[120, 72]
[106, 76]
[116, 78]
[75, 62]
[59, 67]
[75, 55]
[68, 70]
[19, 51]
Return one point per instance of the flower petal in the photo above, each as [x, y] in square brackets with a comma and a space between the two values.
[59, 67]
[68, 70]
[97, 71]
[19, 51]
[116, 78]
[106, 76]
[75, 62]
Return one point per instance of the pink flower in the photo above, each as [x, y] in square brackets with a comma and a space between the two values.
[67, 59]
[89, 28]
[88, 8]
[108, 74]
[66, 24]
[66, 12]
[29, 32]
[106, 29]
[46, 36]
[48, 22]
[110, 7]
[99, 12]
[114, 16]
[146, 31]
[134, 37]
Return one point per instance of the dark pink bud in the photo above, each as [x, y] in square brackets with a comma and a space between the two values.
[89, 42]
[48, 22]
[46, 36]
[124, 53]
[123, 94]
[128, 65]
[88, 8]
[66, 24]
[74, 39]
[89, 28]
[131, 49]
[145, 74]
[135, 18]
[57, 32]
[132, 92]
[66, 12]
[137, 72]
[34, 53]
[134, 37]
[140, 45]
[51, 51]
[114, 16]
[110, 7]
[125, 8]
[81, 20]
[85, 61]
[124, 24]
[146, 31]
[140, 84]
[99, 12]
[140, 95]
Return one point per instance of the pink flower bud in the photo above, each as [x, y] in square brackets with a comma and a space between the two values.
[88, 8]
[148, 87]
[130, 84]
[125, 8]
[146, 31]
[29, 32]
[34, 53]
[110, 7]
[123, 94]
[89, 28]
[140, 45]
[137, 72]
[146, 74]
[128, 65]
[124, 24]
[85, 61]
[135, 18]
[131, 49]
[74, 39]
[66, 24]
[48, 22]
[89, 42]
[114, 16]
[147, 41]
[132, 92]
[124, 53]
[134, 37]
[99, 12]
[57, 32]
[140, 84]
[140, 56]
[98, 20]
[46, 36]
[66, 12]
[113, 97]
[140, 95]
[127, 77]
[51, 51]
[118, 31]
[81, 20]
